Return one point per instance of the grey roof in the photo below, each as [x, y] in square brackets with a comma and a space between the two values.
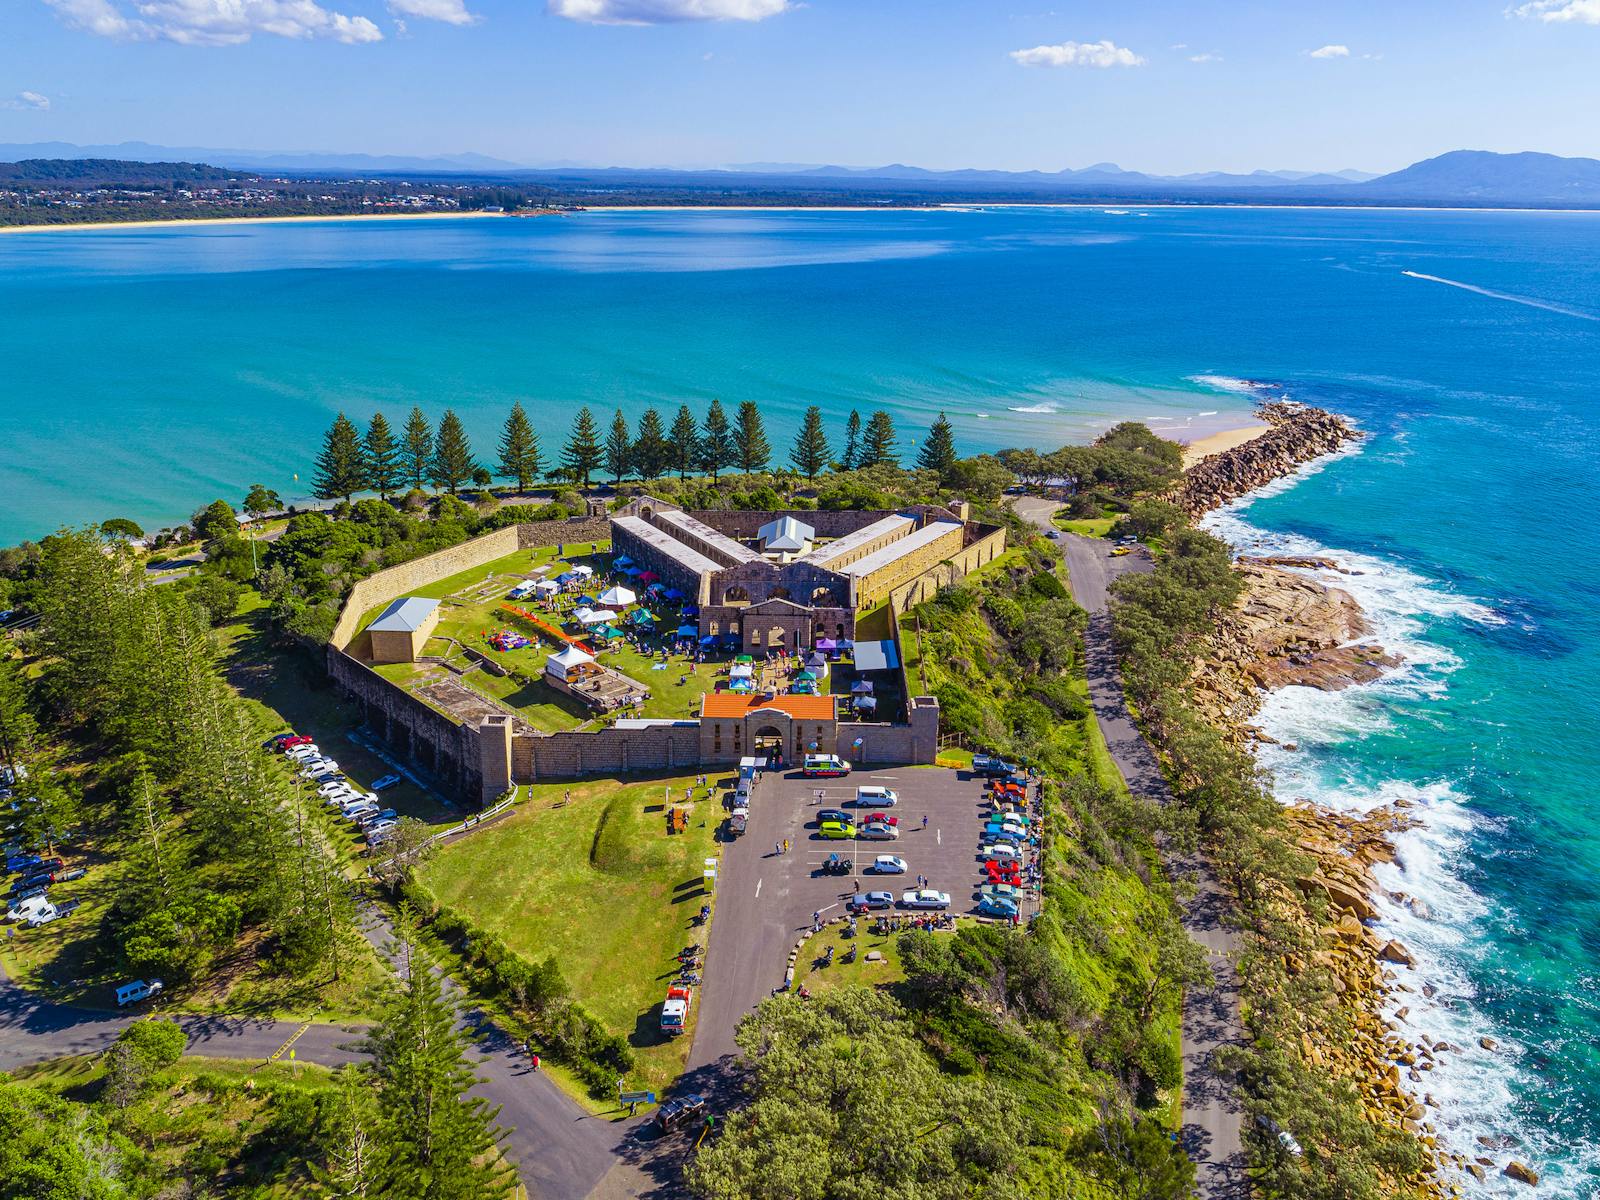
[404, 615]
[879, 559]
[719, 542]
[826, 553]
[686, 557]
[786, 533]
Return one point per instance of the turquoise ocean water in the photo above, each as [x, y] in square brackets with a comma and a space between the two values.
[145, 372]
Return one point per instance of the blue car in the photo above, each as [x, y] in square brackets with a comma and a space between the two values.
[21, 862]
[992, 832]
[996, 906]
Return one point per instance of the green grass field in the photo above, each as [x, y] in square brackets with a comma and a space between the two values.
[860, 973]
[1094, 527]
[599, 883]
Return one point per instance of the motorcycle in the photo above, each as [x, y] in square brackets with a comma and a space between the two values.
[850, 954]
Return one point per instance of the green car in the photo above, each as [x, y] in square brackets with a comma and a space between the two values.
[1003, 891]
[836, 829]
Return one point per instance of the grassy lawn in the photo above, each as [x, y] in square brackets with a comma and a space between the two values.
[599, 883]
[473, 612]
[1094, 527]
[860, 973]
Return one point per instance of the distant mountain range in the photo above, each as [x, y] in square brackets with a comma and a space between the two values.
[1464, 177]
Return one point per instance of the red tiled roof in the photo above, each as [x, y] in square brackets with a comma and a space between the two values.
[732, 704]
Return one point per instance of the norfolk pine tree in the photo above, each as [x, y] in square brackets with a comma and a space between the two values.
[878, 447]
[811, 451]
[382, 457]
[452, 463]
[938, 453]
[716, 441]
[852, 442]
[341, 471]
[619, 448]
[436, 1142]
[520, 458]
[650, 451]
[683, 443]
[417, 451]
[751, 450]
[582, 454]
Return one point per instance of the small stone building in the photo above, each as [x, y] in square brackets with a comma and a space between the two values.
[402, 629]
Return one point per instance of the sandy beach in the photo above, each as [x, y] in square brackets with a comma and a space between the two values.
[300, 218]
[1216, 443]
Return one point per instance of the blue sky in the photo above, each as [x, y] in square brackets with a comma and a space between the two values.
[1155, 85]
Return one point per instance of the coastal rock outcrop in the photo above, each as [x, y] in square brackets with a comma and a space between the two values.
[1299, 434]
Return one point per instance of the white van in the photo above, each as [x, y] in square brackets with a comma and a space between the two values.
[872, 796]
[30, 908]
[132, 993]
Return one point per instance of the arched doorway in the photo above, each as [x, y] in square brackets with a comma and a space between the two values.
[768, 742]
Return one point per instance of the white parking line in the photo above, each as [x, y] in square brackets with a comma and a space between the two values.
[758, 889]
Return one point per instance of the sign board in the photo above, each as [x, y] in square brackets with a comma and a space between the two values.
[636, 1098]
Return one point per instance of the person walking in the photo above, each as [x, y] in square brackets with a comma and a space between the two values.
[777, 848]
[857, 882]
[924, 820]
[786, 845]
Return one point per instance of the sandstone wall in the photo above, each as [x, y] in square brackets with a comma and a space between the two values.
[608, 751]
[988, 543]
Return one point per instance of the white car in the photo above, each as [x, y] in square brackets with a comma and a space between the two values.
[301, 753]
[889, 864]
[925, 898]
[334, 787]
[319, 766]
[1001, 850]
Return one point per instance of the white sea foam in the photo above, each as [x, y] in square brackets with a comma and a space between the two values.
[1228, 383]
[1424, 901]
[1036, 408]
[1210, 412]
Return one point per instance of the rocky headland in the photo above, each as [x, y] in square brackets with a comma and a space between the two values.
[1290, 629]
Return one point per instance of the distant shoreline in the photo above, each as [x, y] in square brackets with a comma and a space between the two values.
[182, 222]
[942, 206]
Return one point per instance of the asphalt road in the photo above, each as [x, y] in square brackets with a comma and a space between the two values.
[1213, 1115]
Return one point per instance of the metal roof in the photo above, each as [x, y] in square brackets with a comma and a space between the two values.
[686, 557]
[895, 550]
[714, 539]
[826, 553]
[786, 533]
[404, 615]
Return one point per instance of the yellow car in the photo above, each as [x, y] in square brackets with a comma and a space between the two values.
[1121, 550]
[836, 829]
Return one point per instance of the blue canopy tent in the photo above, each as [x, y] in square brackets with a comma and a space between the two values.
[565, 577]
[687, 631]
[587, 599]
[710, 639]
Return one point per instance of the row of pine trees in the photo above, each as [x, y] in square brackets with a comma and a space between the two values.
[379, 461]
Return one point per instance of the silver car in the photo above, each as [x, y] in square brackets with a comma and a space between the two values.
[925, 898]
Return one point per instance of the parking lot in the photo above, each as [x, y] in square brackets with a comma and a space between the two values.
[766, 900]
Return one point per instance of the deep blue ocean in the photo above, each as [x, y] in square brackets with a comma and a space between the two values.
[144, 372]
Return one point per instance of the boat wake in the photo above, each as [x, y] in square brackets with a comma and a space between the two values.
[1529, 301]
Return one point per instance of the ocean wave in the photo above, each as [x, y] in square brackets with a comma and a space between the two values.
[1424, 901]
[1036, 408]
[1228, 383]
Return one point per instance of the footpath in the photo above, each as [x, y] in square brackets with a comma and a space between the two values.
[1212, 1113]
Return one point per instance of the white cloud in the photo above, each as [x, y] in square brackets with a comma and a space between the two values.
[663, 12]
[1205, 58]
[451, 12]
[215, 22]
[1330, 52]
[27, 102]
[1586, 12]
[1078, 54]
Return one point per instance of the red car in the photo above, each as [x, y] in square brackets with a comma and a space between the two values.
[882, 818]
[289, 743]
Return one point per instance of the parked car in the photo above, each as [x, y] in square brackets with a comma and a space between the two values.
[889, 864]
[387, 814]
[991, 765]
[675, 1010]
[376, 833]
[1006, 891]
[22, 862]
[676, 1112]
[883, 818]
[318, 766]
[866, 901]
[139, 989]
[1002, 833]
[1001, 850]
[836, 830]
[26, 910]
[68, 875]
[278, 741]
[873, 796]
[333, 786]
[877, 831]
[303, 749]
[824, 766]
[298, 739]
[925, 898]
[834, 814]
[388, 781]
[997, 906]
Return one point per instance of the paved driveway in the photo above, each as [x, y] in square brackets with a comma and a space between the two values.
[766, 900]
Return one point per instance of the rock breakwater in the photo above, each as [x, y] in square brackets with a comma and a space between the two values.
[1300, 434]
